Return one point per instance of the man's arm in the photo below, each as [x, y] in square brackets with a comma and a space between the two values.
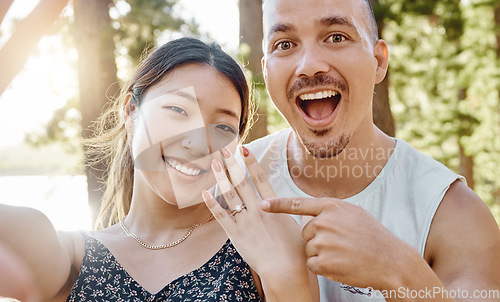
[463, 246]
[347, 244]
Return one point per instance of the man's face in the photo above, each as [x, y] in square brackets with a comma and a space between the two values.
[321, 63]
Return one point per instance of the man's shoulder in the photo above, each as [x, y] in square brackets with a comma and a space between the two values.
[414, 160]
[413, 168]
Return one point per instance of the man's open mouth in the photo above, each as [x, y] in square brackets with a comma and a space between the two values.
[183, 168]
[319, 106]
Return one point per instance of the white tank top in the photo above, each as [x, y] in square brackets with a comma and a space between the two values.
[403, 197]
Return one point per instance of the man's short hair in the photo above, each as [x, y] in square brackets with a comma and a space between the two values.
[369, 15]
[372, 22]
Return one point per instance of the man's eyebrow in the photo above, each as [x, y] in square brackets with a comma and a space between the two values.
[336, 20]
[328, 21]
[280, 27]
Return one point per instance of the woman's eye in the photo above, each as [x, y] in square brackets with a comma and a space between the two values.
[226, 128]
[177, 109]
[336, 38]
[285, 45]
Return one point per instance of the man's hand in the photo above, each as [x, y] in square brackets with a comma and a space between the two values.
[345, 243]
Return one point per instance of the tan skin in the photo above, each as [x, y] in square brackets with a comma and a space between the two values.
[331, 37]
[54, 259]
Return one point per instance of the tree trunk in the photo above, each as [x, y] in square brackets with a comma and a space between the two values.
[497, 28]
[466, 168]
[382, 115]
[4, 7]
[251, 34]
[23, 41]
[97, 76]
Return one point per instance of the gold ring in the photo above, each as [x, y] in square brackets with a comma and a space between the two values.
[237, 209]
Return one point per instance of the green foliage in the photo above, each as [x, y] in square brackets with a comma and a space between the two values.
[445, 83]
[64, 127]
[275, 120]
[443, 13]
[139, 23]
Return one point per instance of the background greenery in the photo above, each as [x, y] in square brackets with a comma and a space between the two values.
[443, 86]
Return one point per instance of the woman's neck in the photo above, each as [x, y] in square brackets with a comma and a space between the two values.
[150, 214]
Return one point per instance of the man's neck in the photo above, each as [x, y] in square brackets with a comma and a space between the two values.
[344, 175]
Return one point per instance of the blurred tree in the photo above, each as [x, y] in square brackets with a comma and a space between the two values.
[139, 24]
[395, 11]
[96, 75]
[4, 7]
[251, 53]
[444, 88]
[136, 25]
[481, 73]
[15, 52]
[382, 115]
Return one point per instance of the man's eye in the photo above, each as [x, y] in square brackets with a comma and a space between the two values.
[226, 128]
[177, 109]
[285, 45]
[336, 38]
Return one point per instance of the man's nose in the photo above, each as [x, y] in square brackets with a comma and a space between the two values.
[312, 61]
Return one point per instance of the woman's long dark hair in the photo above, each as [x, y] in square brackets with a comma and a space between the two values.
[111, 142]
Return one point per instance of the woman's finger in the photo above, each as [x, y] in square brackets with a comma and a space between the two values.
[220, 214]
[239, 181]
[230, 195]
[258, 175]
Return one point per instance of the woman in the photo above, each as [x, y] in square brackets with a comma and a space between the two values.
[156, 240]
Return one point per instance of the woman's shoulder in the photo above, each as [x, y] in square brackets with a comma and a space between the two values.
[74, 243]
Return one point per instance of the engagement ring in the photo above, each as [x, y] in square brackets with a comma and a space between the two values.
[237, 209]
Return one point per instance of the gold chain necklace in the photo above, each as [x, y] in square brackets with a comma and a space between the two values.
[163, 246]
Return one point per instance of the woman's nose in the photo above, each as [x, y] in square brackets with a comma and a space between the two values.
[196, 142]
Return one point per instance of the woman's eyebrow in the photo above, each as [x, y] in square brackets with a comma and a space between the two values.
[227, 112]
[191, 97]
[184, 94]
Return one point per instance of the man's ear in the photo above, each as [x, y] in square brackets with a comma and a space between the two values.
[381, 53]
[129, 113]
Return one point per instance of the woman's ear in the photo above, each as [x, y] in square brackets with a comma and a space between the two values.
[381, 52]
[128, 113]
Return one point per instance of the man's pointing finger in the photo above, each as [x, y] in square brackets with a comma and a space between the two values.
[295, 205]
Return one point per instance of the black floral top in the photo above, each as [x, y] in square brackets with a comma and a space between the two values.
[225, 277]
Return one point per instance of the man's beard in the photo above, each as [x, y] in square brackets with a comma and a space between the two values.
[330, 149]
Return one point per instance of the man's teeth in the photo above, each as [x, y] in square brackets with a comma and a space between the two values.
[317, 95]
[182, 168]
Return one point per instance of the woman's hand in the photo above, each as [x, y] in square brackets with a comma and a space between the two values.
[270, 243]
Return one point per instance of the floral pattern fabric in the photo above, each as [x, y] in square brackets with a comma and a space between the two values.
[225, 277]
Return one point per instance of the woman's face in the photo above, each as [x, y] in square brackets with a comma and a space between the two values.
[179, 128]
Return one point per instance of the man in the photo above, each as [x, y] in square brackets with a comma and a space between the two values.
[381, 220]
